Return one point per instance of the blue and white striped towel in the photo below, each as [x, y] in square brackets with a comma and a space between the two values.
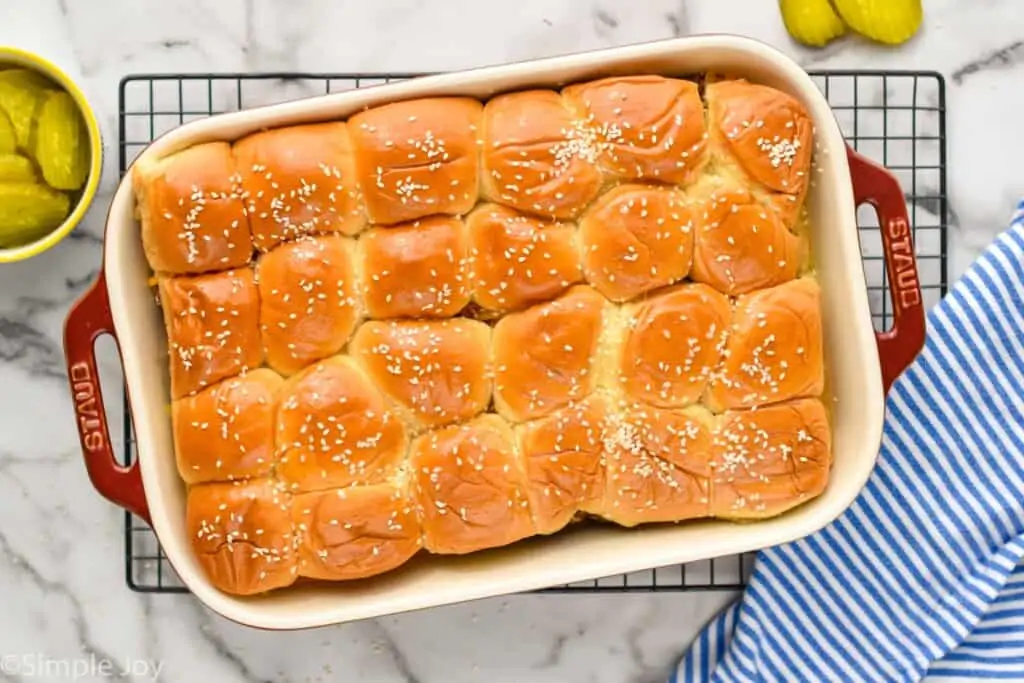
[921, 579]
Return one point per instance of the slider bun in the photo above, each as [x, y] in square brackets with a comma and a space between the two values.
[191, 210]
[741, 245]
[242, 535]
[543, 355]
[299, 180]
[308, 308]
[436, 372]
[334, 429]
[226, 431]
[564, 463]
[672, 343]
[767, 461]
[355, 532]
[468, 487]
[765, 135]
[657, 465]
[418, 158]
[518, 260]
[537, 158]
[636, 238]
[649, 127]
[416, 270]
[774, 352]
[212, 326]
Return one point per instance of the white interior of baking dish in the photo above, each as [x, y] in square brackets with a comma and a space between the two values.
[853, 369]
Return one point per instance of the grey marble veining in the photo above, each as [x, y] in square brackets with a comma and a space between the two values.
[61, 573]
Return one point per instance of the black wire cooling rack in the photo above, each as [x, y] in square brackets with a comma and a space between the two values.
[897, 118]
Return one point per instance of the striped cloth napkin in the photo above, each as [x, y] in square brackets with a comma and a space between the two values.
[920, 578]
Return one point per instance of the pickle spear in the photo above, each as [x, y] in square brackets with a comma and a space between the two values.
[8, 140]
[15, 168]
[29, 211]
[21, 95]
[887, 21]
[61, 143]
[811, 22]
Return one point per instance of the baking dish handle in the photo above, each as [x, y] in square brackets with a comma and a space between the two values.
[89, 319]
[900, 344]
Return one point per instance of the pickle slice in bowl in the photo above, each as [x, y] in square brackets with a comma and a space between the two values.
[15, 168]
[61, 143]
[29, 211]
[22, 93]
[8, 140]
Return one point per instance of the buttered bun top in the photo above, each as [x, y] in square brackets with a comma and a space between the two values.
[445, 325]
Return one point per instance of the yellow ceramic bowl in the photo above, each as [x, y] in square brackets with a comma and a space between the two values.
[13, 57]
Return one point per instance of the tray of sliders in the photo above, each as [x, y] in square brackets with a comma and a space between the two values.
[491, 331]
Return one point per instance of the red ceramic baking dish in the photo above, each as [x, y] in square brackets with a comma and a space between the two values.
[860, 364]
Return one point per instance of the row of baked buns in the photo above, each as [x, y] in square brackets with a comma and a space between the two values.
[486, 483]
[311, 292]
[683, 345]
[545, 153]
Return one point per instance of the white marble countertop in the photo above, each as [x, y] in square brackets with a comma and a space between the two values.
[61, 546]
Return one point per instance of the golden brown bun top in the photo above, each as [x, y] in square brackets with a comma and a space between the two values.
[355, 532]
[768, 132]
[212, 326]
[436, 371]
[680, 438]
[649, 127]
[769, 460]
[299, 180]
[226, 431]
[417, 158]
[564, 461]
[242, 534]
[308, 304]
[673, 342]
[538, 158]
[543, 356]
[416, 270]
[657, 465]
[469, 488]
[193, 216]
[635, 239]
[741, 245]
[518, 259]
[774, 352]
[334, 429]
